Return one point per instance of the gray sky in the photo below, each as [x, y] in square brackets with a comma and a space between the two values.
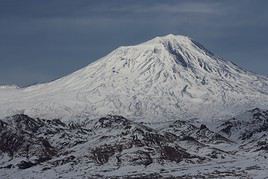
[44, 40]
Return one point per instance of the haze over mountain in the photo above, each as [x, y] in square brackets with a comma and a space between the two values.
[164, 78]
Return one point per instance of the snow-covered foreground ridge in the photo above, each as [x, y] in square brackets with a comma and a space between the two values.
[115, 147]
[166, 77]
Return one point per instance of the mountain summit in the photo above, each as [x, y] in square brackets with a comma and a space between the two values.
[164, 78]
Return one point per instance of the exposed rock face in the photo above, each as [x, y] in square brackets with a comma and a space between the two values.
[188, 131]
[246, 125]
[146, 144]
[18, 138]
[249, 128]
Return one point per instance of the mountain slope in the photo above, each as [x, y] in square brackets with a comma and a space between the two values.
[165, 77]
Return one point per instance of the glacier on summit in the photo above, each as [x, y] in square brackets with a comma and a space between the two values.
[164, 78]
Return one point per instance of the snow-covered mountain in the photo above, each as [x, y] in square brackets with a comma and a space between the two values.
[160, 87]
[162, 79]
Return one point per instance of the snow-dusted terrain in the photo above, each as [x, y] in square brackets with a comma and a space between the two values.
[113, 147]
[164, 108]
[164, 78]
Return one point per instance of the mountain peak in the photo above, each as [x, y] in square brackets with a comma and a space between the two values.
[179, 50]
[175, 44]
[170, 38]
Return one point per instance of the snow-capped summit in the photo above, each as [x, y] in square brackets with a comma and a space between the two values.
[164, 78]
[169, 39]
